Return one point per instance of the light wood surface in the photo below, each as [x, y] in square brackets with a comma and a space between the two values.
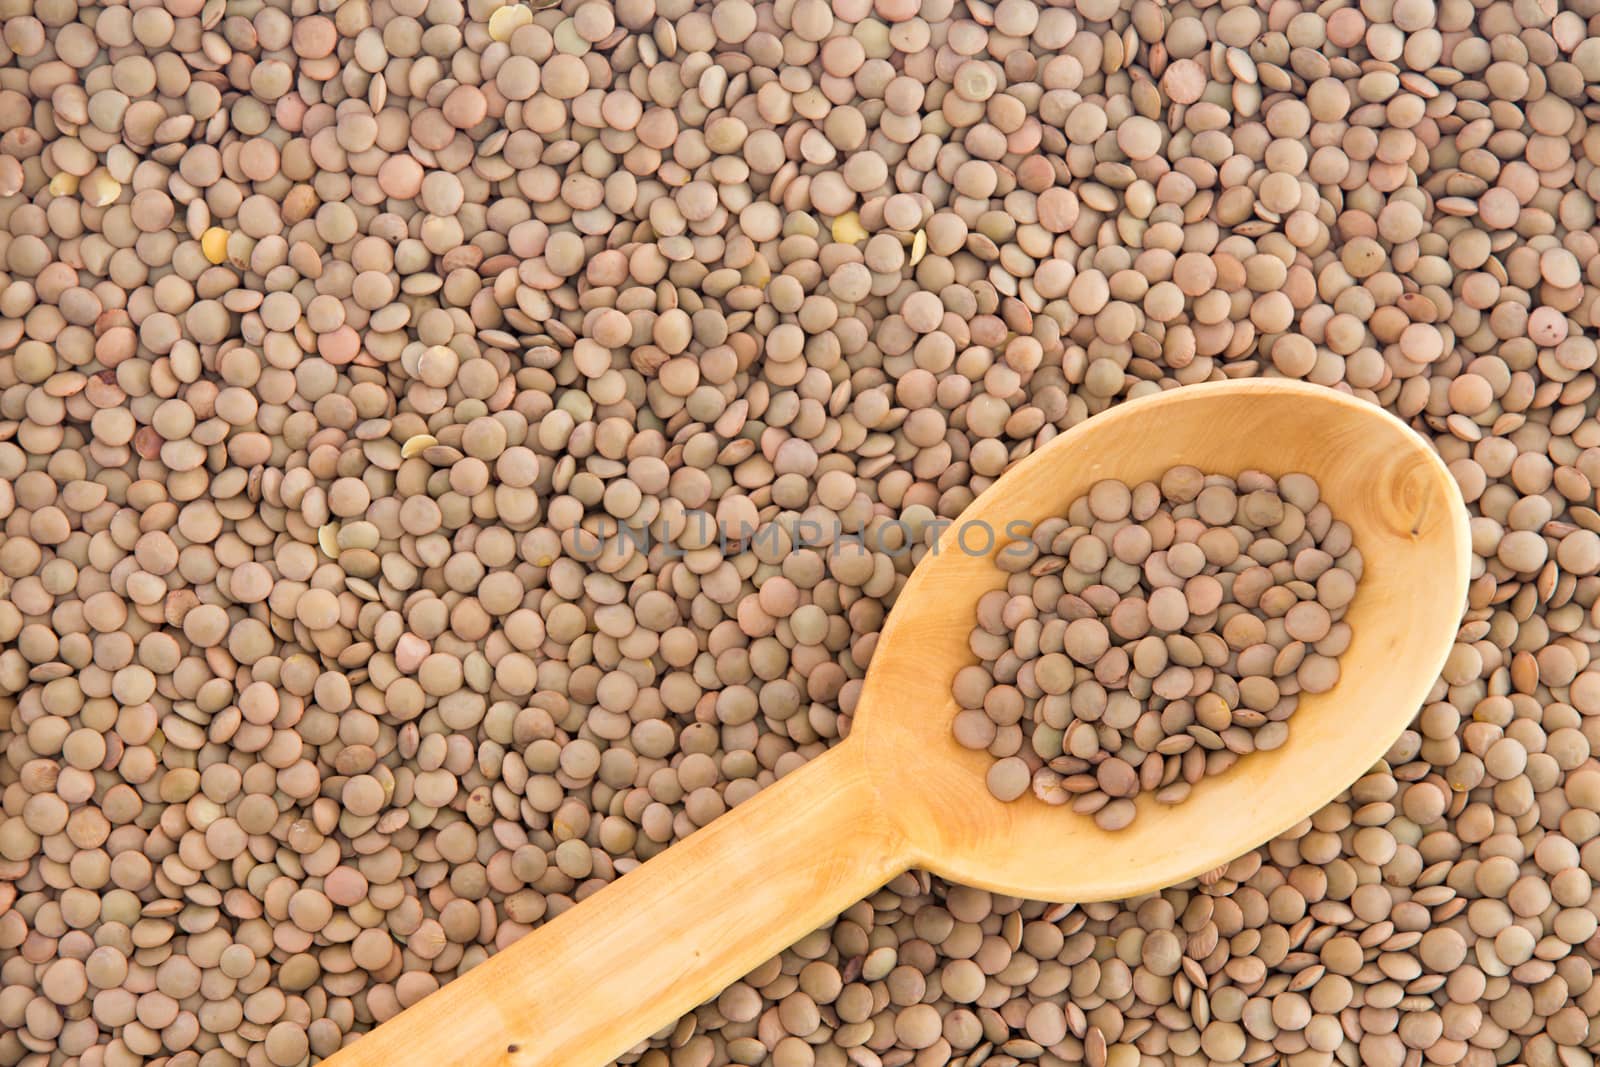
[899, 792]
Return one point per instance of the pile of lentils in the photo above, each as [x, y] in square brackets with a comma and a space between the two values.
[1153, 635]
[336, 334]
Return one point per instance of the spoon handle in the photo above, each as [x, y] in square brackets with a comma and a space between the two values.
[588, 986]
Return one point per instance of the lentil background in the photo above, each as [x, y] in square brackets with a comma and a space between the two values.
[333, 337]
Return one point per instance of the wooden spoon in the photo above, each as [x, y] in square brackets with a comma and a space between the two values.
[900, 793]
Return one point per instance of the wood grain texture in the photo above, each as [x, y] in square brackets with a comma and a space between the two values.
[899, 792]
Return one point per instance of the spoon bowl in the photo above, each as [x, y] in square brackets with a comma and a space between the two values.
[899, 792]
[1375, 474]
